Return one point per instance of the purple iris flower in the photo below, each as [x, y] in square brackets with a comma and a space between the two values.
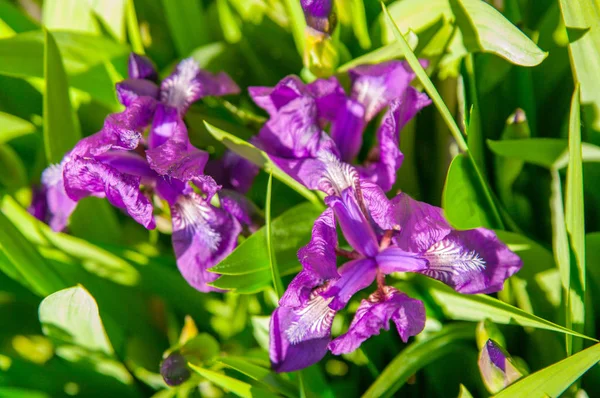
[319, 15]
[386, 236]
[295, 137]
[128, 169]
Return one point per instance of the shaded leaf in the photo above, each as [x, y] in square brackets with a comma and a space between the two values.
[187, 23]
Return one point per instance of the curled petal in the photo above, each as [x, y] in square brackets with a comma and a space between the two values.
[88, 177]
[347, 130]
[188, 83]
[177, 160]
[375, 314]
[394, 259]
[271, 99]
[385, 160]
[421, 225]
[56, 206]
[356, 229]
[473, 261]
[141, 67]
[202, 236]
[207, 185]
[375, 86]
[127, 162]
[299, 336]
[318, 260]
[166, 125]
[329, 96]
[130, 89]
[497, 368]
[381, 209]
[355, 275]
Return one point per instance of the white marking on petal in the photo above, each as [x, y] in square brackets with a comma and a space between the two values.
[314, 318]
[448, 258]
[181, 88]
[369, 91]
[193, 214]
[337, 175]
[52, 175]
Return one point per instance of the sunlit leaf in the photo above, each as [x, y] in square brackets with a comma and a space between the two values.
[237, 387]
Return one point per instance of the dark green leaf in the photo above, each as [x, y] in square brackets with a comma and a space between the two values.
[187, 23]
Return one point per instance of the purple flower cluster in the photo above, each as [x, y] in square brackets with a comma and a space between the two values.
[385, 236]
[122, 165]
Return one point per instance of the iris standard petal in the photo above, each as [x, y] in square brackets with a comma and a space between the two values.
[130, 89]
[141, 67]
[329, 96]
[188, 83]
[202, 236]
[375, 86]
[375, 313]
[177, 160]
[473, 261]
[356, 229]
[89, 177]
[355, 275]
[384, 160]
[271, 99]
[167, 124]
[347, 129]
[394, 259]
[297, 342]
[58, 206]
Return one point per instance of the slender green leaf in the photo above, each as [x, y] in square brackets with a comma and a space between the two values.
[15, 19]
[575, 222]
[478, 307]
[555, 379]
[464, 393]
[418, 355]
[230, 26]
[277, 284]
[261, 159]
[133, 28]
[551, 153]
[297, 23]
[13, 127]
[60, 129]
[359, 23]
[188, 24]
[582, 17]
[463, 201]
[239, 388]
[261, 374]
[112, 14]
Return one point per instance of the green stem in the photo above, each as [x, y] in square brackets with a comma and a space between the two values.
[277, 284]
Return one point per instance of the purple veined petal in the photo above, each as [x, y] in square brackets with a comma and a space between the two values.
[293, 132]
[58, 206]
[233, 172]
[170, 189]
[356, 229]
[127, 163]
[375, 86]
[240, 207]
[130, 89]
[394, 259]
[473, 261]
[141, 67]
[121, 131]
[355, 275]
[207, 185]
[203, 235]
[347, 130]
[167, 124]
[421, 225]
[380, 207]
[271, 99]
[318, 260]
[298, 337]
[386, 159]
[188, 83]
[375, 314]
[88, 177]
[329, 96]
[177, 160]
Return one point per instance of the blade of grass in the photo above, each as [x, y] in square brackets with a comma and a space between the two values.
[133, 28]
[575, 223]
[443, 109]
[277, 284]
[297, 23]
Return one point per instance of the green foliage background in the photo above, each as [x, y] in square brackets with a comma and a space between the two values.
[512, 143]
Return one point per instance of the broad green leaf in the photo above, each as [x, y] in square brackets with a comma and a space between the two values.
[555, 379]
[581, 21]
[13, 127]
[289, 231]
[261, 159]
[277, 284]
[112, 14]
[418, 355]
[68, 15]
[60, 128]
[471, 307]
[27, 263]
[551, 153]
[71, 318]
[239, 388]
[188, 24]
[482, 28]
[463, 201]
[575, 222]
[261, 374]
